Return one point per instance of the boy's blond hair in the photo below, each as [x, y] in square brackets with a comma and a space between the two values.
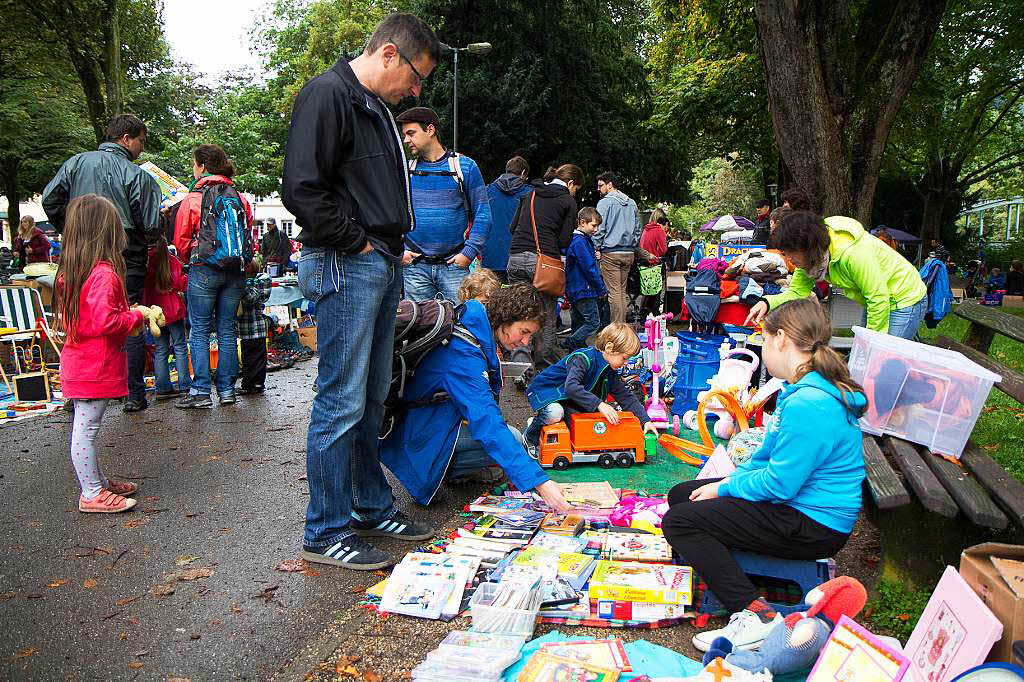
[478, 284]
[621, 337]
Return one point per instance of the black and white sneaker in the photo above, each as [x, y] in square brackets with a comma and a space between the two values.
[398, 526]
[191, 402]
[352, 552]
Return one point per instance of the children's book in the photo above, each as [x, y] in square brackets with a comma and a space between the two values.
[852, 653]
[484, 641]
[643, 582]
[576, 568]
[590, 495]
[421, 593]
[471, 540]
[1012, 572]
[170, 189]
[611, 609]
[562, 524]
[495, 504]
[495, 536]
[544, 667]
[525, 518]
[604, 653]
[955, 632]
[429, 567]
[719, 465]
[557, 543]
[637, 547]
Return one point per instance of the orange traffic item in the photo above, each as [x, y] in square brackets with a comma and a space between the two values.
[680, 447]
[589, 437]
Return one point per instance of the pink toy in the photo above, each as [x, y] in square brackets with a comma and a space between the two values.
[656, 408]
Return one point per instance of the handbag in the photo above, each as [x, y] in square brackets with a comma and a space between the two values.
[549, 277]
[650, 280]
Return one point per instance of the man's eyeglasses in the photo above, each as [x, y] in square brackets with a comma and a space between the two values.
[418, 75]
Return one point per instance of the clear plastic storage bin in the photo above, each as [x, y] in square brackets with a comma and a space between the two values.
[920, 393]
[500, 619]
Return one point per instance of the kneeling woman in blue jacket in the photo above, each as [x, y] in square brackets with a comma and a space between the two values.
[462, 428]
[798, 496]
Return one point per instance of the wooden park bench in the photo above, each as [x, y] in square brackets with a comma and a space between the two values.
[987, 495]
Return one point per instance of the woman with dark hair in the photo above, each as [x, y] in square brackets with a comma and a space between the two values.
[454, 427]
[840, 251]
[554, 212]
[214, 291]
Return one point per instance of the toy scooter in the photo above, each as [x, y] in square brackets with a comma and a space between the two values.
[656, 408]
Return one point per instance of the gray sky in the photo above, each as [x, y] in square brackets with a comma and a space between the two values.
[193, 26]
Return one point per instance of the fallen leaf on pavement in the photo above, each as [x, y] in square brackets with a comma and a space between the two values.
[267, 594]
[162, 590]
[371, 676]
[185, 559]
[193, 574]
[290, 566]
[57, 583]
[89, 583]
[235, 608]
[127, 600]
[405, 675]
[344, 666]
[211, 458]
[137, 665]
[7, 595]
[151, 498]
[179, 679]
[135, 523]
[194, 636]
[26, 652]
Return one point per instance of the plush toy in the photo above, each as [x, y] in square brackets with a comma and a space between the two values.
[719, 670]
[795, 643]
[154, 315]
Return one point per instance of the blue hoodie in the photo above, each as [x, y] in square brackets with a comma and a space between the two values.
[419, 449]
[503, 195]
[582, 276]
[811, 458]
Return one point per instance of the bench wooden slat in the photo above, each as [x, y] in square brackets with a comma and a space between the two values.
[973, 500]
[884, 484]
[987, 320]
[1012, 383]
[1005, 490]
[925, 485]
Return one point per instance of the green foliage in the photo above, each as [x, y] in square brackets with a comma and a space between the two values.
[895, 609]
[719, 186]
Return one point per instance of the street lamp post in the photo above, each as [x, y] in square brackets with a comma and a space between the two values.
[472, 48]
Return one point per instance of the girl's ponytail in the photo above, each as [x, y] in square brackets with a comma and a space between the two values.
[810, 329]
[550, 174]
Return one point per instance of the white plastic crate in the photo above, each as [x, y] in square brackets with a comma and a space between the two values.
[499, 619]
[920, 393]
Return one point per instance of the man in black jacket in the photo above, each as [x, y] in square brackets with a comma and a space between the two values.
[276, 247]
[110, 171]
[346, 182]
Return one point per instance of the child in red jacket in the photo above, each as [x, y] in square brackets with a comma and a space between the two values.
[95, 317]
[166, 285]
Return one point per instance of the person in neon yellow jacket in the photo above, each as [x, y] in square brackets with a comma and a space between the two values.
[839, 250]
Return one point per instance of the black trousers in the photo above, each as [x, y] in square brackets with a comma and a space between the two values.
[702, 533]
[254, 363]
[135, 346]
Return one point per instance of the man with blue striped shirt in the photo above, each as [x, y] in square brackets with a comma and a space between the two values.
[453, 217]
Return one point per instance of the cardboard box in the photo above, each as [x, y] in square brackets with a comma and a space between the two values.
[977, 569]
[1013, 301]
[307, 337]
[959, 295]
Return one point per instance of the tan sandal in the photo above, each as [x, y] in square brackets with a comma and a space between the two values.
[105, 503]
[123, 488]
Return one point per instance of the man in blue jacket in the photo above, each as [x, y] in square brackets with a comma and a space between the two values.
[460, 428]
[504, 195]
[453, 217]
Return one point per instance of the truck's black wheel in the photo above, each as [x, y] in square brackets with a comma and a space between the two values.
[625, 461]
[606, 461]
[560, 464]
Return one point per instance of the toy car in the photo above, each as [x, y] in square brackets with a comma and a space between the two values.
[589, 437]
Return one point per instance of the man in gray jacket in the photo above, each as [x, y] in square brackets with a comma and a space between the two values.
[110, 172]
[616, 240]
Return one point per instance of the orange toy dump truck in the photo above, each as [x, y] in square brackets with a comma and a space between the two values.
[590, 438]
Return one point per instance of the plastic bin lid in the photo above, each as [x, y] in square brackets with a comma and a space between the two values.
[926, 353]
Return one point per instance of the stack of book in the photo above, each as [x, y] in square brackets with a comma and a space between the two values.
[493, 536]
[429, 585]
[636, 547]
[472, 656]
[633, 590]
[562, 524]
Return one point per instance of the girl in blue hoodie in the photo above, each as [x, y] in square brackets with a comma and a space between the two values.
[798, 496]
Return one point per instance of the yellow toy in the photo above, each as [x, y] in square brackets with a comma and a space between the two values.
[154, 315]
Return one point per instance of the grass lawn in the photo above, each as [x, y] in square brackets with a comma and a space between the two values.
[1000, 427]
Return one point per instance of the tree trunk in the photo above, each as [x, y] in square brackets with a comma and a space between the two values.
[9, 184]
[112, 58]
[835, 87]
[943, 195]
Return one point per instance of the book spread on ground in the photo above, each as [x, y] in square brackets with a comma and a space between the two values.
[590, 495]
[543, 667]
[604, 653]
[852, 653]
[637, 547]
[642, 582]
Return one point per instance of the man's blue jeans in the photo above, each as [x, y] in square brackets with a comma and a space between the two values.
[356, 296]
[171, 339]
[470, 456]
[213, 295]
[586, 320]
[424, 281]
[905, 322]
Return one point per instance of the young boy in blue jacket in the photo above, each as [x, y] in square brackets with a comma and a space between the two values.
[584, 286]
[797, 497]
[582, 380]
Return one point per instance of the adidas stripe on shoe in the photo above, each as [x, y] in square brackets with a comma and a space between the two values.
[352, 552]
[398, 526]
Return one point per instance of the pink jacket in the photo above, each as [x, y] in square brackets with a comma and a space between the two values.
[169, 301]
[93, 364]
[654, 240]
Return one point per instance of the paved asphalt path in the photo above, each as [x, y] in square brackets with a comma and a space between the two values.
[222, 490]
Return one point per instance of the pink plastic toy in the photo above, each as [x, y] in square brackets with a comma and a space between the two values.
[656, 408]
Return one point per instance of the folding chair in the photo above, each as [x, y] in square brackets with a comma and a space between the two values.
[23, 318]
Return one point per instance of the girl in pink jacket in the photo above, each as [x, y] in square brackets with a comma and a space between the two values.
[95, 317]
